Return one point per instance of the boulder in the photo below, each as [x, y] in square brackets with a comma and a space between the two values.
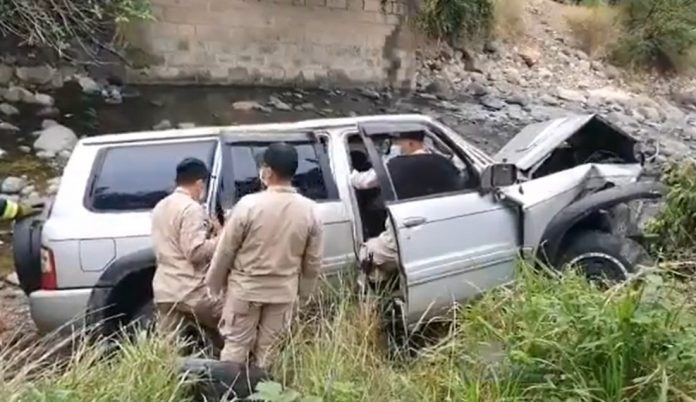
[43, 100]
[491, 102]
[5, 126]
[18, 94]
[88, 85]
[279, 104]
[248, 106]
[163, 125]
[6, 73]
[570, 95]
[187, 124]
[13, 185]
[36, 75]
[8, 110]
[54, 139]
[530, 55]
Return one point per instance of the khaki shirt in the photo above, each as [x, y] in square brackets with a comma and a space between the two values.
[180, 238]
[271, 242]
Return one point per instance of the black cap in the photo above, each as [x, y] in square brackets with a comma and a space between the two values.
[190, 170]
[281, 157]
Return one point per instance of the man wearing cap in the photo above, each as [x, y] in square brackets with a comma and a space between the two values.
[184, 239]
[415, 172]
[269, 254]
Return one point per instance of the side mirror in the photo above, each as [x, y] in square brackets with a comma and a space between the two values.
[498, 175]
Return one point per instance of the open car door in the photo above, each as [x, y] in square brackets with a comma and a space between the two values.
[452, 246]
[241, 156]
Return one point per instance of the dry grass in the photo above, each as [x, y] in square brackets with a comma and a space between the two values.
[594, 29]
[509, 18]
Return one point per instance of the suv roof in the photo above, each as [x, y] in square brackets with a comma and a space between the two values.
[216, 130]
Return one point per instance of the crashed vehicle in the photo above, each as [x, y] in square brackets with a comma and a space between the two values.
[549, 193]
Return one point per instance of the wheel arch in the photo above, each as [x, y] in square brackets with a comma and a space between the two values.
[586, 213]
[123, 286]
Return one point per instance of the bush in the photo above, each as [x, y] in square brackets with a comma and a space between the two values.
[657, 33]
[594, 28]
[509, 18]
[59, 24]
[674, 228]
[451, 20]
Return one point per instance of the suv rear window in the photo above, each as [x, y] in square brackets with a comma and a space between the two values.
[131, 178]
[309, 180]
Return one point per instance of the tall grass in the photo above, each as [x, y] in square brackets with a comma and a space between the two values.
[544, 338]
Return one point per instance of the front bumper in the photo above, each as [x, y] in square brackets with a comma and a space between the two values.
[54, 310]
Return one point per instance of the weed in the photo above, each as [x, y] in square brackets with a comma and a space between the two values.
[594, 29]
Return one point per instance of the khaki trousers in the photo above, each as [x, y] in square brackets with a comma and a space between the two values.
[205, 313]
[252, 328]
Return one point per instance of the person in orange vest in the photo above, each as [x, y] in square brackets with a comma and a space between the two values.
[11, 211]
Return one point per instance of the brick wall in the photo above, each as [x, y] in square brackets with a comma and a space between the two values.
[275, 42]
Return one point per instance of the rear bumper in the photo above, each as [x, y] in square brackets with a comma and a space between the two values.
[57, 309]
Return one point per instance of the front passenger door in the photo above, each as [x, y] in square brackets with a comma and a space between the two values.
[452, 246]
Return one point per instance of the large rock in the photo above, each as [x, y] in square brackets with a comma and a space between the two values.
[37, 75]
[530, 56]
[8, 110]
[88, 85]
[249, 105]
[5, 126]
[43, 100]
[13, 185]
[570, 95]
[54, 139]
[18, 94]
[6, 73]
[279, 104]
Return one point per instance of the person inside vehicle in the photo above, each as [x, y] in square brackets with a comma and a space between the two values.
[269, 253]
[414, 172]
[184, 240]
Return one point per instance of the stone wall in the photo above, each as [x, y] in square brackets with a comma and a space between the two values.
[274, 42]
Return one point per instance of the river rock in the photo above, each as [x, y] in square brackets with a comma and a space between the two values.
[477, 89]
[248, 105]
[43, 99]
[56, 138]
[5, 126]
[279, 104]
[88, 85]
[37, 75]
[530, 56]
[570, 95]
[48, 123]
[491, 102]
[24, 148]
[45, 155]
[6, 73]
[18, 94]
[163, 125]
[8, 110]
[48, 111]
[28, 190]
[187, 124]
[370, 93]
[3, 153]
[13, 185]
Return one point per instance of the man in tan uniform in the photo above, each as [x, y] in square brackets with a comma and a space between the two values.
[269, 251]
[184, 239]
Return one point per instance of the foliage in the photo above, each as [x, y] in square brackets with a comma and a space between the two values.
[657, 33]
[451, 20]
[61, 24]
[675, 227]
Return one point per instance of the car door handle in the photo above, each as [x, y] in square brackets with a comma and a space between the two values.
[414, 221]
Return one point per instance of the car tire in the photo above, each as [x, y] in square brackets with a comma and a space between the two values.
[604, 256]
[26, 247]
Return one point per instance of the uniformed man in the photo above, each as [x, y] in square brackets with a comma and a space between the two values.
[184, 239]
[269, 251]
[415, 172]
[11, 211]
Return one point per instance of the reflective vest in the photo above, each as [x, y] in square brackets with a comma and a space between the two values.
[9, 209]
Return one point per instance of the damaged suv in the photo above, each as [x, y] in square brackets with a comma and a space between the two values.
[553, 192]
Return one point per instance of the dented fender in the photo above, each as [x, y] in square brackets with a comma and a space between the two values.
[559, 226]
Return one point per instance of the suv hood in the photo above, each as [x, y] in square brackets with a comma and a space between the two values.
[534, 144]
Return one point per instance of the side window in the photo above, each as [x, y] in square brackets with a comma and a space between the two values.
[132, 178]
[310, 179]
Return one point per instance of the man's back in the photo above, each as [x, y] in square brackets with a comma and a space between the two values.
[178, 241]
[421, 175]
[275, 228]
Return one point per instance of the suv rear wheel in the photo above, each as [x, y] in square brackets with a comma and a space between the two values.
[604, 256]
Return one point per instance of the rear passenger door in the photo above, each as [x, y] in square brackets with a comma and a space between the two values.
[241, 154]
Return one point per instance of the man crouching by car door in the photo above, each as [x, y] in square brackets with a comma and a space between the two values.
[269, 253]
[184, 240]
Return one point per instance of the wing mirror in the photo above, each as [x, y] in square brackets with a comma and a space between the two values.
[498, 175]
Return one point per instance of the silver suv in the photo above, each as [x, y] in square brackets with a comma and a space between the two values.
[554, 191]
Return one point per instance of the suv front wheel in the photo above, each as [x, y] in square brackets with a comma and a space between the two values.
[604, 256]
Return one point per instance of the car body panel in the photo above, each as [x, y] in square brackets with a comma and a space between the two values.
[467, 245]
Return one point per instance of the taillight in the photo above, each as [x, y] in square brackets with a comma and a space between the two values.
[48, 270]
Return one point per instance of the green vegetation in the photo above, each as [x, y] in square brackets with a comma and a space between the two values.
[451, 20]
[60, 24]
[639, 33]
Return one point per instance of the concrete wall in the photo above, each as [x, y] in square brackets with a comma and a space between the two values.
[274, 42]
